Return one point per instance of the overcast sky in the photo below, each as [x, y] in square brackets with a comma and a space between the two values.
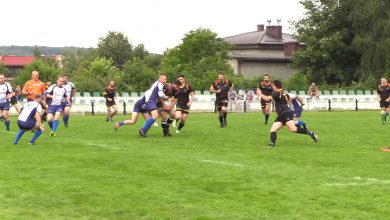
[158, 24]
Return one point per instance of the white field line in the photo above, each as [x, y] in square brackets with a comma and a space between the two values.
[9, 132]
[223, 163]
[103, 146]
[359, 181]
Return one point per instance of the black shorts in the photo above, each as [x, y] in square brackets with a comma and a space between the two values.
[264, 103]
[285, 117]
[183, 109]
[110, 103]
[222, 103]
[13, 100]
[383, 103]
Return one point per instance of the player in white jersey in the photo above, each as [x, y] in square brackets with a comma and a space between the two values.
[30, 119]
[71, 93]
[6, 94]
[56, 93]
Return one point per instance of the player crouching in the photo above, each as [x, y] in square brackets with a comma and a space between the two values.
[30, 119]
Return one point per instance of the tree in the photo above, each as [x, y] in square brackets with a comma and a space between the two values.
[136, 76]
[140, 52]
[200, 56]
[115, 46]
[48, 70]
[3, 69]
[36, 51]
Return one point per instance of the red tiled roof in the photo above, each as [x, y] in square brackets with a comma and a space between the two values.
[17, 60]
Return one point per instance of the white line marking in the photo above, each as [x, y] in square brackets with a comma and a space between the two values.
[223, 163]
[104, 146]
[359, 181]
[9, 132]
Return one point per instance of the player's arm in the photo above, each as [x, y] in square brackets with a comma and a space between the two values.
[192, 96]
[74, 90]
[378, 96]
[39, 122]
[214, 90]
[49, 93]
[264, 97]
[231, 87]
[300, 100]
[161, 92]
[25, 89]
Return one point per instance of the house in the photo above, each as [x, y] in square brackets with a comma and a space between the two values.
[266, 50]
[15, 64]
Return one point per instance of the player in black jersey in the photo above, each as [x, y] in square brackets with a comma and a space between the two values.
[383, 94]
[166, 107]
[265, 87]
[184, 97]
[222, 89]
[285, 114]
[109, 94]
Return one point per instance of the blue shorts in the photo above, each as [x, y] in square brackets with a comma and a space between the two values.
[4, 106]
[297, 113]
[64, 105]
[54, 108]
[140, 107]
[26, 125]
[151, 106]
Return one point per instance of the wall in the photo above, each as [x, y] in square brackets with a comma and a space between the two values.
[275, 69]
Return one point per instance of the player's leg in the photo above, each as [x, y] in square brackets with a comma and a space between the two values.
[220, 114]
[178, 117]
[55, 122]
[276, 126]
[152, 107]
[224, 112]
[170, 119]
[18, 136]
[133, 120]
[108, 113]
[266, 109]
[37, 133]
[183, 120]
[113, 112]
[6, 119]
[65, 118]
[292, 128]
[50, 119]
[17, 107]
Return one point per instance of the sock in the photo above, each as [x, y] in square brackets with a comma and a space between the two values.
[7, 123]
[169, 121]
[65, 119]
[55, 125]
[300, 123]
[303, 131]
[147, 124]
[273, 137]
[266, 117]
[163, 124]
[221, 119]
[121, 123]
[224, 116]
[383, 116]
[18, 136]
[181, 125]
[36, 135]
[50, 124]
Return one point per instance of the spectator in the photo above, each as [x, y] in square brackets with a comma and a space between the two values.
[313, 90]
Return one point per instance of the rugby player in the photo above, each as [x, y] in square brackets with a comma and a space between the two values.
[265, 87]
[383, 94]
[6, 93]
[222, 89]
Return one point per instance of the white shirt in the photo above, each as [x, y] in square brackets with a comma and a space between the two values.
[29, 110]
[5, 89]
[58, 94]
[68, 87]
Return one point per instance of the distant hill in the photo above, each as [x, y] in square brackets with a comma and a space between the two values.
[28, 50]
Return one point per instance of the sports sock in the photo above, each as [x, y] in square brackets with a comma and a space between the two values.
[303, 131]
[383, 116]
[163, 124]
[221, 119]
[50, 124]
[36, 135]
[273, 137]
[121, 123]
[300, 123]
[147, 124]
[7, 123]
[266, 117]
[181, 125]
[224, 116]
[18, 136]
[169, 121]
[65, 119]
[55, 125]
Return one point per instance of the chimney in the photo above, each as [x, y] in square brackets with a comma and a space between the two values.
[274, 31]
[260, 27]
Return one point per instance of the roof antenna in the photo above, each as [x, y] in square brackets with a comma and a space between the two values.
[279, 21]
[269, 22]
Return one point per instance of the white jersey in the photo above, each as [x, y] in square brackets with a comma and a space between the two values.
[5, 89]
[152, 94]
[58, 94]
[29, 110]
[68, 88]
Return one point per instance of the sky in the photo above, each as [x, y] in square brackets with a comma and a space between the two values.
[158, 24]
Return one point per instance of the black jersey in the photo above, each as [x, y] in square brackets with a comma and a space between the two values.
[109, 93]
[281, 101]
[183, 95]
[384, 91]
[224, 86]
[265, 88]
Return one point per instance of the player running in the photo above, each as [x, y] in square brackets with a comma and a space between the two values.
[139, 108]
[30, 119]
[6, 93]
[383, 94]
[56, 93]
[222, 89]
[184, 97]
[265, 87]
[71, 93]
[166, 107]
[109, 94]
[152, 95]
[285, 114]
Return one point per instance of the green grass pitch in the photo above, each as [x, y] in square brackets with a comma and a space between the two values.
[91, 172]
